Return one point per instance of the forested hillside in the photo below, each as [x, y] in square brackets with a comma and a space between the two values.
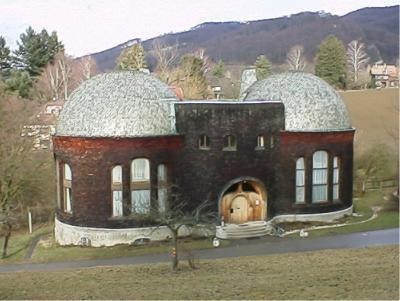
[242, 42]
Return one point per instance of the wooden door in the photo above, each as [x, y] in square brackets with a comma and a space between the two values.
[238, 210]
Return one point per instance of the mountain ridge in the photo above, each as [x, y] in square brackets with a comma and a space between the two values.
[237, 42]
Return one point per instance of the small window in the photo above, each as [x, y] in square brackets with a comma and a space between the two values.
[140, 186]
[335, 177]
[67, 183]
[230, 143]
[260, 142]
[162, 190]
[204, 142]
[320, 177]
[116, 187]
[300, 181]
[271, 142]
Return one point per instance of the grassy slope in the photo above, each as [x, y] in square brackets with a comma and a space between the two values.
[369, 273]
[375, 115]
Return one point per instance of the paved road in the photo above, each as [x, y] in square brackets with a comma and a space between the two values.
[244, 247]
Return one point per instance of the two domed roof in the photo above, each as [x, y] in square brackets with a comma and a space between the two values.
[310, 103]
[135, 104]
[119, 104]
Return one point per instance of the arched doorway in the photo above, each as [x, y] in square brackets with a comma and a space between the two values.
[242, 201]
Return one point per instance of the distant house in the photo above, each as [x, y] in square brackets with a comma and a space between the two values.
[41, 128]
[384, 75]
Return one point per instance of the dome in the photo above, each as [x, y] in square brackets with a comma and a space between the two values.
[118, 104]
[310, 103]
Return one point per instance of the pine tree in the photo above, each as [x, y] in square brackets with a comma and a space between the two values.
[36, 50]
[132, 58]
[331, 62]
[5, 59]
[191, 77]
[263, 67]
[218, 70]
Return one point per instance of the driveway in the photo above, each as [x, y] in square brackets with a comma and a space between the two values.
[243, 247]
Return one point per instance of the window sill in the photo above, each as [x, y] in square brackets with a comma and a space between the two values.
[204, 148]
[260, 148]
[229, 149]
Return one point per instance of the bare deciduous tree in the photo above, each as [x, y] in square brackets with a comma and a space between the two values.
[56, 80]
[167, 57]
[86, 68]
[356, 58]
[201, 54]
[295, 58]
[177, 217]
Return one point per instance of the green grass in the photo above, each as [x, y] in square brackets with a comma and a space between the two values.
[20, 241]
[363, 205]
[368, 273]
[58, 253]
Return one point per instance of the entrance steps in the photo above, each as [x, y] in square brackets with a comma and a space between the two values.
[245, 230]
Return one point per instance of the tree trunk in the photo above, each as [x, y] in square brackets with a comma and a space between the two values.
[6, 239]
[174, 253]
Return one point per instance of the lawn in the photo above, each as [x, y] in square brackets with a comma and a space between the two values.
[368, 273]
[375, 116]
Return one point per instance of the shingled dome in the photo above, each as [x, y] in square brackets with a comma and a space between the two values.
[119, 104]
[310, 103]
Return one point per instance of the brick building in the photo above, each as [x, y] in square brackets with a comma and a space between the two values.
[282, 152]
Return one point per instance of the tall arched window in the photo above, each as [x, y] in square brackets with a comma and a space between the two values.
[260, 142]
[204, 142]
[320, 177]
[336, 170]
[230, 142]
[162, 190]
[67, 188]
[116, 187]
[140, 185]
[300, 181]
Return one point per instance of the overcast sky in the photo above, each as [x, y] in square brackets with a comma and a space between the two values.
[87, 26]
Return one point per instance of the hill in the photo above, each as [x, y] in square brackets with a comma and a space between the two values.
[375, 116]
[242, 42]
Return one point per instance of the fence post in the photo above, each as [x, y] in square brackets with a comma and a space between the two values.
[30, 221]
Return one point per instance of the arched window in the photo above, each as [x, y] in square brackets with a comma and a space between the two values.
[67, 188]
[162, 190]
[204, 142]
[336, 170]
[320, 177]
[300, 181]
[260, 142]
[271, 142]
[116, 188]
[140, 186]
[230, 142]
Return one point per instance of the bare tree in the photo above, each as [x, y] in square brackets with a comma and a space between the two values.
[177, 217]
[356, 58]
[55, 81]
[167, 57]
[295, 58]
[86, 68]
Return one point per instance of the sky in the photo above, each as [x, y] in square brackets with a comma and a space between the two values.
[88, 26]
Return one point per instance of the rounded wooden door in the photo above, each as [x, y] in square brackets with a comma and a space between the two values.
[239, 210]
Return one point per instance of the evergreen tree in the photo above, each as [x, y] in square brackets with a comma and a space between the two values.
[331, 62]
[19, 81]
[263, 67]
[36, 50]
[132, 58]
[5, 59]
[191, 77]
[218, 70]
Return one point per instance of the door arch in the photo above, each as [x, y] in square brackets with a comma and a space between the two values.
[243, 200]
